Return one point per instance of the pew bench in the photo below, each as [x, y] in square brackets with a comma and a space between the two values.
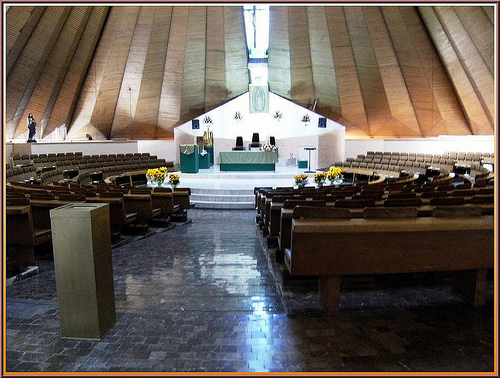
[181, 197]
[285, 232]
[331, 249]
[22, 237]
[142, 205]
[118, 217]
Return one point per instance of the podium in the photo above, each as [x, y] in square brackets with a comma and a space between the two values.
[204, 161]
[81, 240]
[189, 158]
[309, 149]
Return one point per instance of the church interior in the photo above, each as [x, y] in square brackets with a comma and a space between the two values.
[250, 188]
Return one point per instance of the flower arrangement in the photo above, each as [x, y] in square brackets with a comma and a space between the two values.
[278, 115]
[306, 118]
[301, 179]
[268, 147]
[319, 177]
[238, 116]
[174, 179]
[157, 174]
[334, 173]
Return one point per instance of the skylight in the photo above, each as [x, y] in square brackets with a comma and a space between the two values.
[257, 30]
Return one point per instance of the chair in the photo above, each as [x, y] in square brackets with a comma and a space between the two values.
[239, 144]
[255, 141]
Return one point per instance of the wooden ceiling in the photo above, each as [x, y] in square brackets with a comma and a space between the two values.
[136, 72]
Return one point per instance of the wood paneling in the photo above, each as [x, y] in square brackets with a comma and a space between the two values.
[279, 52]
[50, 83]
[193, 83]
[479, 73]
[446, 106]
[21, 22]
[472, 88]
[24, 75]
[323, 69]
[352, 110]
[170, 99]
[370, 80]
[148, 105]
[107, 98]
[131, 89]
[387, 79]
[235, 51]
[63, 108]
[302, 90]
[402, 119]
[80, 124]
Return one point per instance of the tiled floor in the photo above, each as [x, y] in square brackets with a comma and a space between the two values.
[208, 297]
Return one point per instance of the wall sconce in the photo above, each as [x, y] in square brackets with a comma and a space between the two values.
[278, 115]
[306, 118]
[238, 116]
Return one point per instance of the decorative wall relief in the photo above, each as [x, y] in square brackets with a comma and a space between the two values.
[259, 98]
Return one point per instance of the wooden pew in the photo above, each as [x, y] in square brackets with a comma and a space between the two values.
[276, 220]
[21, 236]
[164, 199]
[41, 211]
[331, 249]
[142, 205]
[118, 217]
[273, 215]
[266, 202]
[182, 198]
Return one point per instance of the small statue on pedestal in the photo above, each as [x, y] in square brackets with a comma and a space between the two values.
[31, 128]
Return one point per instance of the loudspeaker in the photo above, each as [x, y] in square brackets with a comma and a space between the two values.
[322, 122]
[195, 124]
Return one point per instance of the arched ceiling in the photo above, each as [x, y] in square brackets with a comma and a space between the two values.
[136, 72]
[377, 71]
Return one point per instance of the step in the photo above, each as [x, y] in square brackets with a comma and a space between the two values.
[224, 205]
[243, 192]
[221, 197]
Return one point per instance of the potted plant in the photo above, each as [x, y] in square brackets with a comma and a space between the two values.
[174, 180]
[301, 179]
[334, 175]
[319, 178]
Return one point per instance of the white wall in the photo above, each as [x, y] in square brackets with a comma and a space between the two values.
[163, 149]
[290, 133]
[438, 145]
[86, 147]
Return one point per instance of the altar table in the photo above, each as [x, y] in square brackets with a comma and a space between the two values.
[248, 160]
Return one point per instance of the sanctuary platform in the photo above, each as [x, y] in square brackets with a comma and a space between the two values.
[215, 189]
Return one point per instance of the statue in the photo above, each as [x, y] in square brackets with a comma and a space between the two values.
[32, 128]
